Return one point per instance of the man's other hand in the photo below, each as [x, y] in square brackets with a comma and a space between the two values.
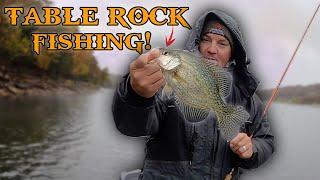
[242, 146]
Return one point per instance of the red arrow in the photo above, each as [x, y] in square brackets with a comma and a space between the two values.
[170, 40]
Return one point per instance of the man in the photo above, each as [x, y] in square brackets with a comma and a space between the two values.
[176, 148]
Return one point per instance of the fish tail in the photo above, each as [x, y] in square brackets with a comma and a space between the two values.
[230, 120]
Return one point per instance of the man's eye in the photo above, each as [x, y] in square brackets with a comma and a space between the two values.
[223, 44]
[205, 40]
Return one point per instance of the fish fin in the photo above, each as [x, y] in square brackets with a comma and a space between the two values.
[167, 89]
[231, 120]
[223, 77]
[191, 114]
[167, 92]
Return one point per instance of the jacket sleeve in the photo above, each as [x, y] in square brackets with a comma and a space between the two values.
[262, 138]
[135, 115]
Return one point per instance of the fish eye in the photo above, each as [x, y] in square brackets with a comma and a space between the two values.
[165, 53]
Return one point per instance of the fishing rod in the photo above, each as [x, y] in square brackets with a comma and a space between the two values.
[276, 90]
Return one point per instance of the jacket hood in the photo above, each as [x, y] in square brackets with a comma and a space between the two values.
[244, 79]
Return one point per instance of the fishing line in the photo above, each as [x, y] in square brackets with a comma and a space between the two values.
[276, 90]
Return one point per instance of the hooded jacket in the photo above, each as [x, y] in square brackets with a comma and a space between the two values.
[178, 149]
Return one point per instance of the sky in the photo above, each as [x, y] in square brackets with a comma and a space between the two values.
[272, 30]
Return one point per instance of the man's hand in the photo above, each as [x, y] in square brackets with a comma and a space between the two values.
[242, 146]
[146, 77]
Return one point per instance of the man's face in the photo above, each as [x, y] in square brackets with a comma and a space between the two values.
[216, 48]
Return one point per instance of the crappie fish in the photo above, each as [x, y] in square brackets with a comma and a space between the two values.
[198, 87]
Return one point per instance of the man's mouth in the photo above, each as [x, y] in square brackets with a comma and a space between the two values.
[212, 60]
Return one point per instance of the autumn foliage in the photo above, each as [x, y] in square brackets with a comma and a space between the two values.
[16, 51]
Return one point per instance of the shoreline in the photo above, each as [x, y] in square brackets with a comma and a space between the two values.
[30, 85]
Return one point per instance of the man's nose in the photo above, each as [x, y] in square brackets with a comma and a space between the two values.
[212, 49]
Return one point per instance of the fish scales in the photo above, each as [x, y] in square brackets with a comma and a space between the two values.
[199, 87]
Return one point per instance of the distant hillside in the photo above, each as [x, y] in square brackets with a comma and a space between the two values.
[295, 94]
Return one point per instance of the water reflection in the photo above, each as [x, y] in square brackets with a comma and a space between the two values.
[37, 134]
[74, 138]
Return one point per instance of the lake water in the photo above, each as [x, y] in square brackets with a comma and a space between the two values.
[74, 138]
